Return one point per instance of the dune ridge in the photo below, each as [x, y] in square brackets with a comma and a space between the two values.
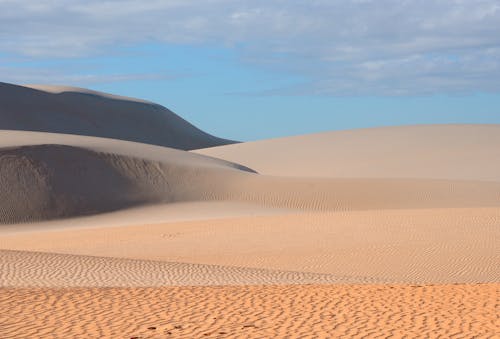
[47, 181]
[455, 152]
[69, 110]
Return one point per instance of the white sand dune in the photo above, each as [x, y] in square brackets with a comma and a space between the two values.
[70, 110]
[455, 152]
[61, 176]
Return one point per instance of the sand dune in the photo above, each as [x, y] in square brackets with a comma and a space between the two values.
[403, 246]
[53, 181]
[60, 176]
[293, 232]
[47, 175]
[305, 311]
[456, 152]
[70, 110]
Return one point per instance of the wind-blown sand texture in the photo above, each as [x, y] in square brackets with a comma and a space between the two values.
[303, 311]
[37, 269]
[399, 246]
[352, 233]
[70, 110]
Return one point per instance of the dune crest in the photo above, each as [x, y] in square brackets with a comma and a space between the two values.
[458, 152]
[59, 109]
[50, 181]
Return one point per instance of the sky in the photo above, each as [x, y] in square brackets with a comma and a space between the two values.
[249, 70]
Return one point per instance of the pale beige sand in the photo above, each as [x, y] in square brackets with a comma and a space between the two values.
[342, 311]
[460, 152]
[70, 110]
[153, 214]
[36, 269]
[413, 246]
[56, 176]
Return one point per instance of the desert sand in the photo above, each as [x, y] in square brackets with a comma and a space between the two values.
[295, 311]
[398, 246]
[458, 152]
[109, 226]
[58, 175]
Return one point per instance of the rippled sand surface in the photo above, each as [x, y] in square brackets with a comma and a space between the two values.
[306, 311]
[383, 232]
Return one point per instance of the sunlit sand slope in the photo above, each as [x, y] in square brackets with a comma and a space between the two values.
[71, 110]
[407, 246]
[459, 152]
[36, 269]
[310, 311]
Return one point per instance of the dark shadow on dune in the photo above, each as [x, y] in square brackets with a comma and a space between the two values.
[54, 181]
[28, 109]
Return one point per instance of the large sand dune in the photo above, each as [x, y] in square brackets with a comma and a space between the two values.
[58, 179]
[71, 110]
[88, 222]
[460, 152]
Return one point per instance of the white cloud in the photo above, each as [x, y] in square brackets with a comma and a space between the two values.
[344, 47]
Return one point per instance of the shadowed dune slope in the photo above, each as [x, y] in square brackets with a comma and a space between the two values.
[458, 152]
[42, 182]
[47, 181]
[84, 112]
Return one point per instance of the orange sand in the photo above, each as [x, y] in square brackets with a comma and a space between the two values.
[307, 311]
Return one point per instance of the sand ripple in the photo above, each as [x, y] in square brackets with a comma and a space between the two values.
[342, 311]
[35, 269]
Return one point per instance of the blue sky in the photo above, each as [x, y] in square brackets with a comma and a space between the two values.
[259, 69]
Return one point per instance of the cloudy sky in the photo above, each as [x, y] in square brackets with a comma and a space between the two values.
[258, 69]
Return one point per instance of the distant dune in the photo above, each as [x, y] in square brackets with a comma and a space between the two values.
[72, 110]
[459, 152]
